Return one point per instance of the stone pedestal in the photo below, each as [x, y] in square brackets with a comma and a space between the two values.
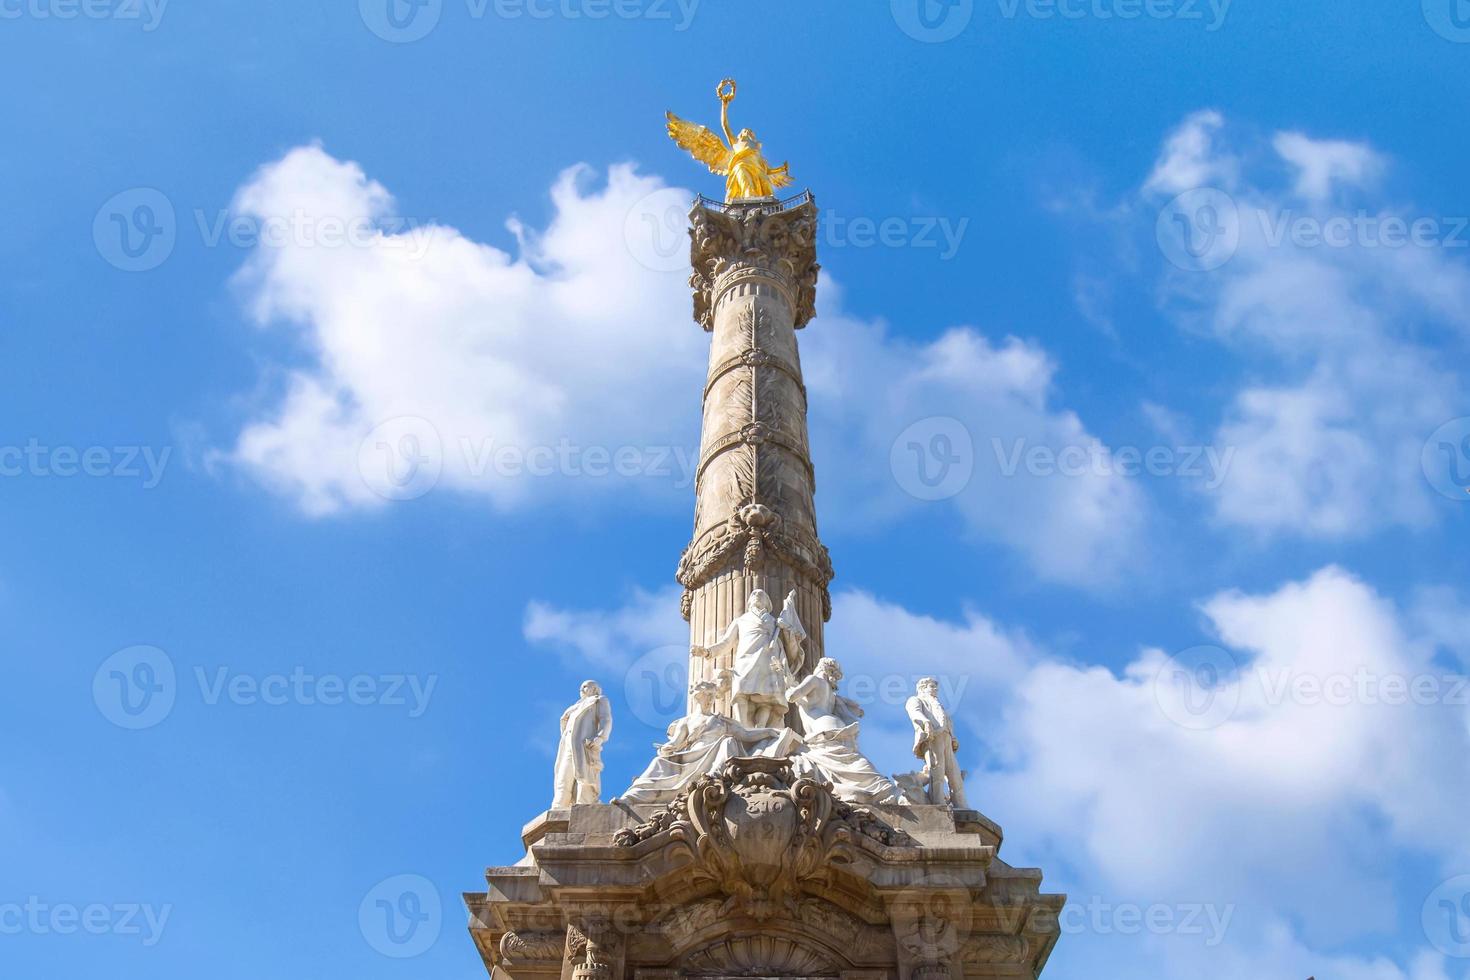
[755, 524]
[757, 872]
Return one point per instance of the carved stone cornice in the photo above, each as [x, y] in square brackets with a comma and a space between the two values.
[754, 245]
[986, 950]
[761, 532]
[757, 871]
[761, 832]
[522, 947]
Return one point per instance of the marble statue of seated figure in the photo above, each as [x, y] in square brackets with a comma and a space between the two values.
[701, 742]
[831, 751]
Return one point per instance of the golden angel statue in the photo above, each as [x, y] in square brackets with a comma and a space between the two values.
[744, 167]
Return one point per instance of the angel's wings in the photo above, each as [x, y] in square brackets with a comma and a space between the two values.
[781, 176]
[702, 144]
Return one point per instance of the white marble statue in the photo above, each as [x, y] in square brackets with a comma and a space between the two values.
[585, 728]
[830, 723]
[934, 742]
[701, 742]
[763, 645]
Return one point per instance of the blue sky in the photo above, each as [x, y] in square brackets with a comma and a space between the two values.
[250, 242]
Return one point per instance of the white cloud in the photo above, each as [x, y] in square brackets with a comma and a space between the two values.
[1257, 811]
[540, 350]
[879, 404]
[884, 650]
[1321, 164]
[1189, 158]
[1338, 337]
[1443, 615]
[609, 640]
[1287, 821]
[459, 351]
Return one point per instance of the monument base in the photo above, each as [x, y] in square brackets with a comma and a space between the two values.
[760, 872]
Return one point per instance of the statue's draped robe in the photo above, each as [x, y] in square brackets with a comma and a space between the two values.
[753, 638]
[698, 745]
[832, 745]
[748, 174]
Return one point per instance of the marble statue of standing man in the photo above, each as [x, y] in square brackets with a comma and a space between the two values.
[585, 727]
[758, 638]
[934, 742]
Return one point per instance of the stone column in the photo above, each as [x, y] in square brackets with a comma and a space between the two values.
[755, 526]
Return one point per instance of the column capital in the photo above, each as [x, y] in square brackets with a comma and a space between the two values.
[774, 242]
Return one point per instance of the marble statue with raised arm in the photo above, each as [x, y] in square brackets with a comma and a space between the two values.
[830, 729]
[765, 648]
[585, 728]
[700, 743]
[934, 742]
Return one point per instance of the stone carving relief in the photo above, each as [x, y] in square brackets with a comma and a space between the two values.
[987, 950]
[522, 947]
[754, 242]
[759, 830]
[759, 955]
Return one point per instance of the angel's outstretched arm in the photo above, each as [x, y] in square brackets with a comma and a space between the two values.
[725, 122]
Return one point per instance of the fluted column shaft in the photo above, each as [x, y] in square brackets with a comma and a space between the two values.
[754, 516]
